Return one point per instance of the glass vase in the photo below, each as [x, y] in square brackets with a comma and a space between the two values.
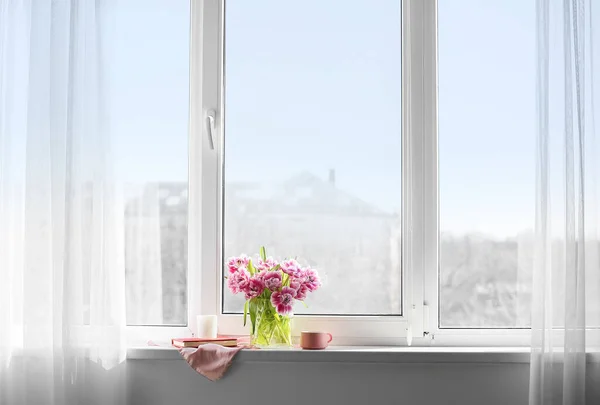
[270, 329]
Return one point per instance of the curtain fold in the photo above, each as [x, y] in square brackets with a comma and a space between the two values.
[566, 277]
[62, 286]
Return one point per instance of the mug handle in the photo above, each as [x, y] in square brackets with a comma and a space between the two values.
[330, 338]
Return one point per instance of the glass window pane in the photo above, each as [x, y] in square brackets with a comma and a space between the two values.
[486, 161]
[313, 145]
[149, 101]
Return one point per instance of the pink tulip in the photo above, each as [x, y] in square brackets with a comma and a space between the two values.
[238, 281]
[311, 279]
[272, 280]
[266, 264]
[283, 300]
[236, 263]
[255, 288]
[301, 289]
[290, 267]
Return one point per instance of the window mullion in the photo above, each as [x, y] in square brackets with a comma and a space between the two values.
[430, 164]
[420, 160]
[205, 149]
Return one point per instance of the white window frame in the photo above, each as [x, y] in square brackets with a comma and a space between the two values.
[206, 205]
[418, 324]
[433, 333]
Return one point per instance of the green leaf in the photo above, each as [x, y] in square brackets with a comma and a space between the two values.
[263, 253]
[276, 314]
[251, 268]
[305, 306]
[253, 315]
[276, 267]
[245, 311]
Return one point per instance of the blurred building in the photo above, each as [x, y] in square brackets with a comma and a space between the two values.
[156, 254]
[356, 247]
[351, 242]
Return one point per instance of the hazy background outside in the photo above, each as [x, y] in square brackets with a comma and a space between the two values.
[313, 151]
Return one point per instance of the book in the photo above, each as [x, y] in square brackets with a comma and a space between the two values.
[195, 342]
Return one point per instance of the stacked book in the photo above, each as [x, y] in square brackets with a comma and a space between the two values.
[195, 342]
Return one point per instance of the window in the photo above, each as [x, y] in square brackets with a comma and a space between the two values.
[150, 107]
[486, 133]
[312, 147]
[318, 129]
[338, 203]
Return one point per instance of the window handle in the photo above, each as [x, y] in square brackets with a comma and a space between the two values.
[210, 126]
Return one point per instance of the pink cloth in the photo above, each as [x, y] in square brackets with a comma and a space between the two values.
[210, 360]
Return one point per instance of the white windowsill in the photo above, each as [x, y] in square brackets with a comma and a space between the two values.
[359, 354]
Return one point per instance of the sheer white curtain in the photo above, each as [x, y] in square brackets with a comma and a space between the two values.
[566, 293]
[62, 299]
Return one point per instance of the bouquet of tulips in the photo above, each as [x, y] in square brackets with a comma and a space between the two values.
[271, 289]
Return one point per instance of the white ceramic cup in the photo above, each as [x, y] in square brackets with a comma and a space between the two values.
[206, 326]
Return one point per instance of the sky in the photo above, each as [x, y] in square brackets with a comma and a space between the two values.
[316, 85]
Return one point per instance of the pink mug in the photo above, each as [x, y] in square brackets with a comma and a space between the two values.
[314, 340]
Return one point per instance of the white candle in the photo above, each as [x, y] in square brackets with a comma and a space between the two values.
[207, 326]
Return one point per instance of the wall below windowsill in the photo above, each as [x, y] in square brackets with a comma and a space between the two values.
[359, 354]
[344, 375]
